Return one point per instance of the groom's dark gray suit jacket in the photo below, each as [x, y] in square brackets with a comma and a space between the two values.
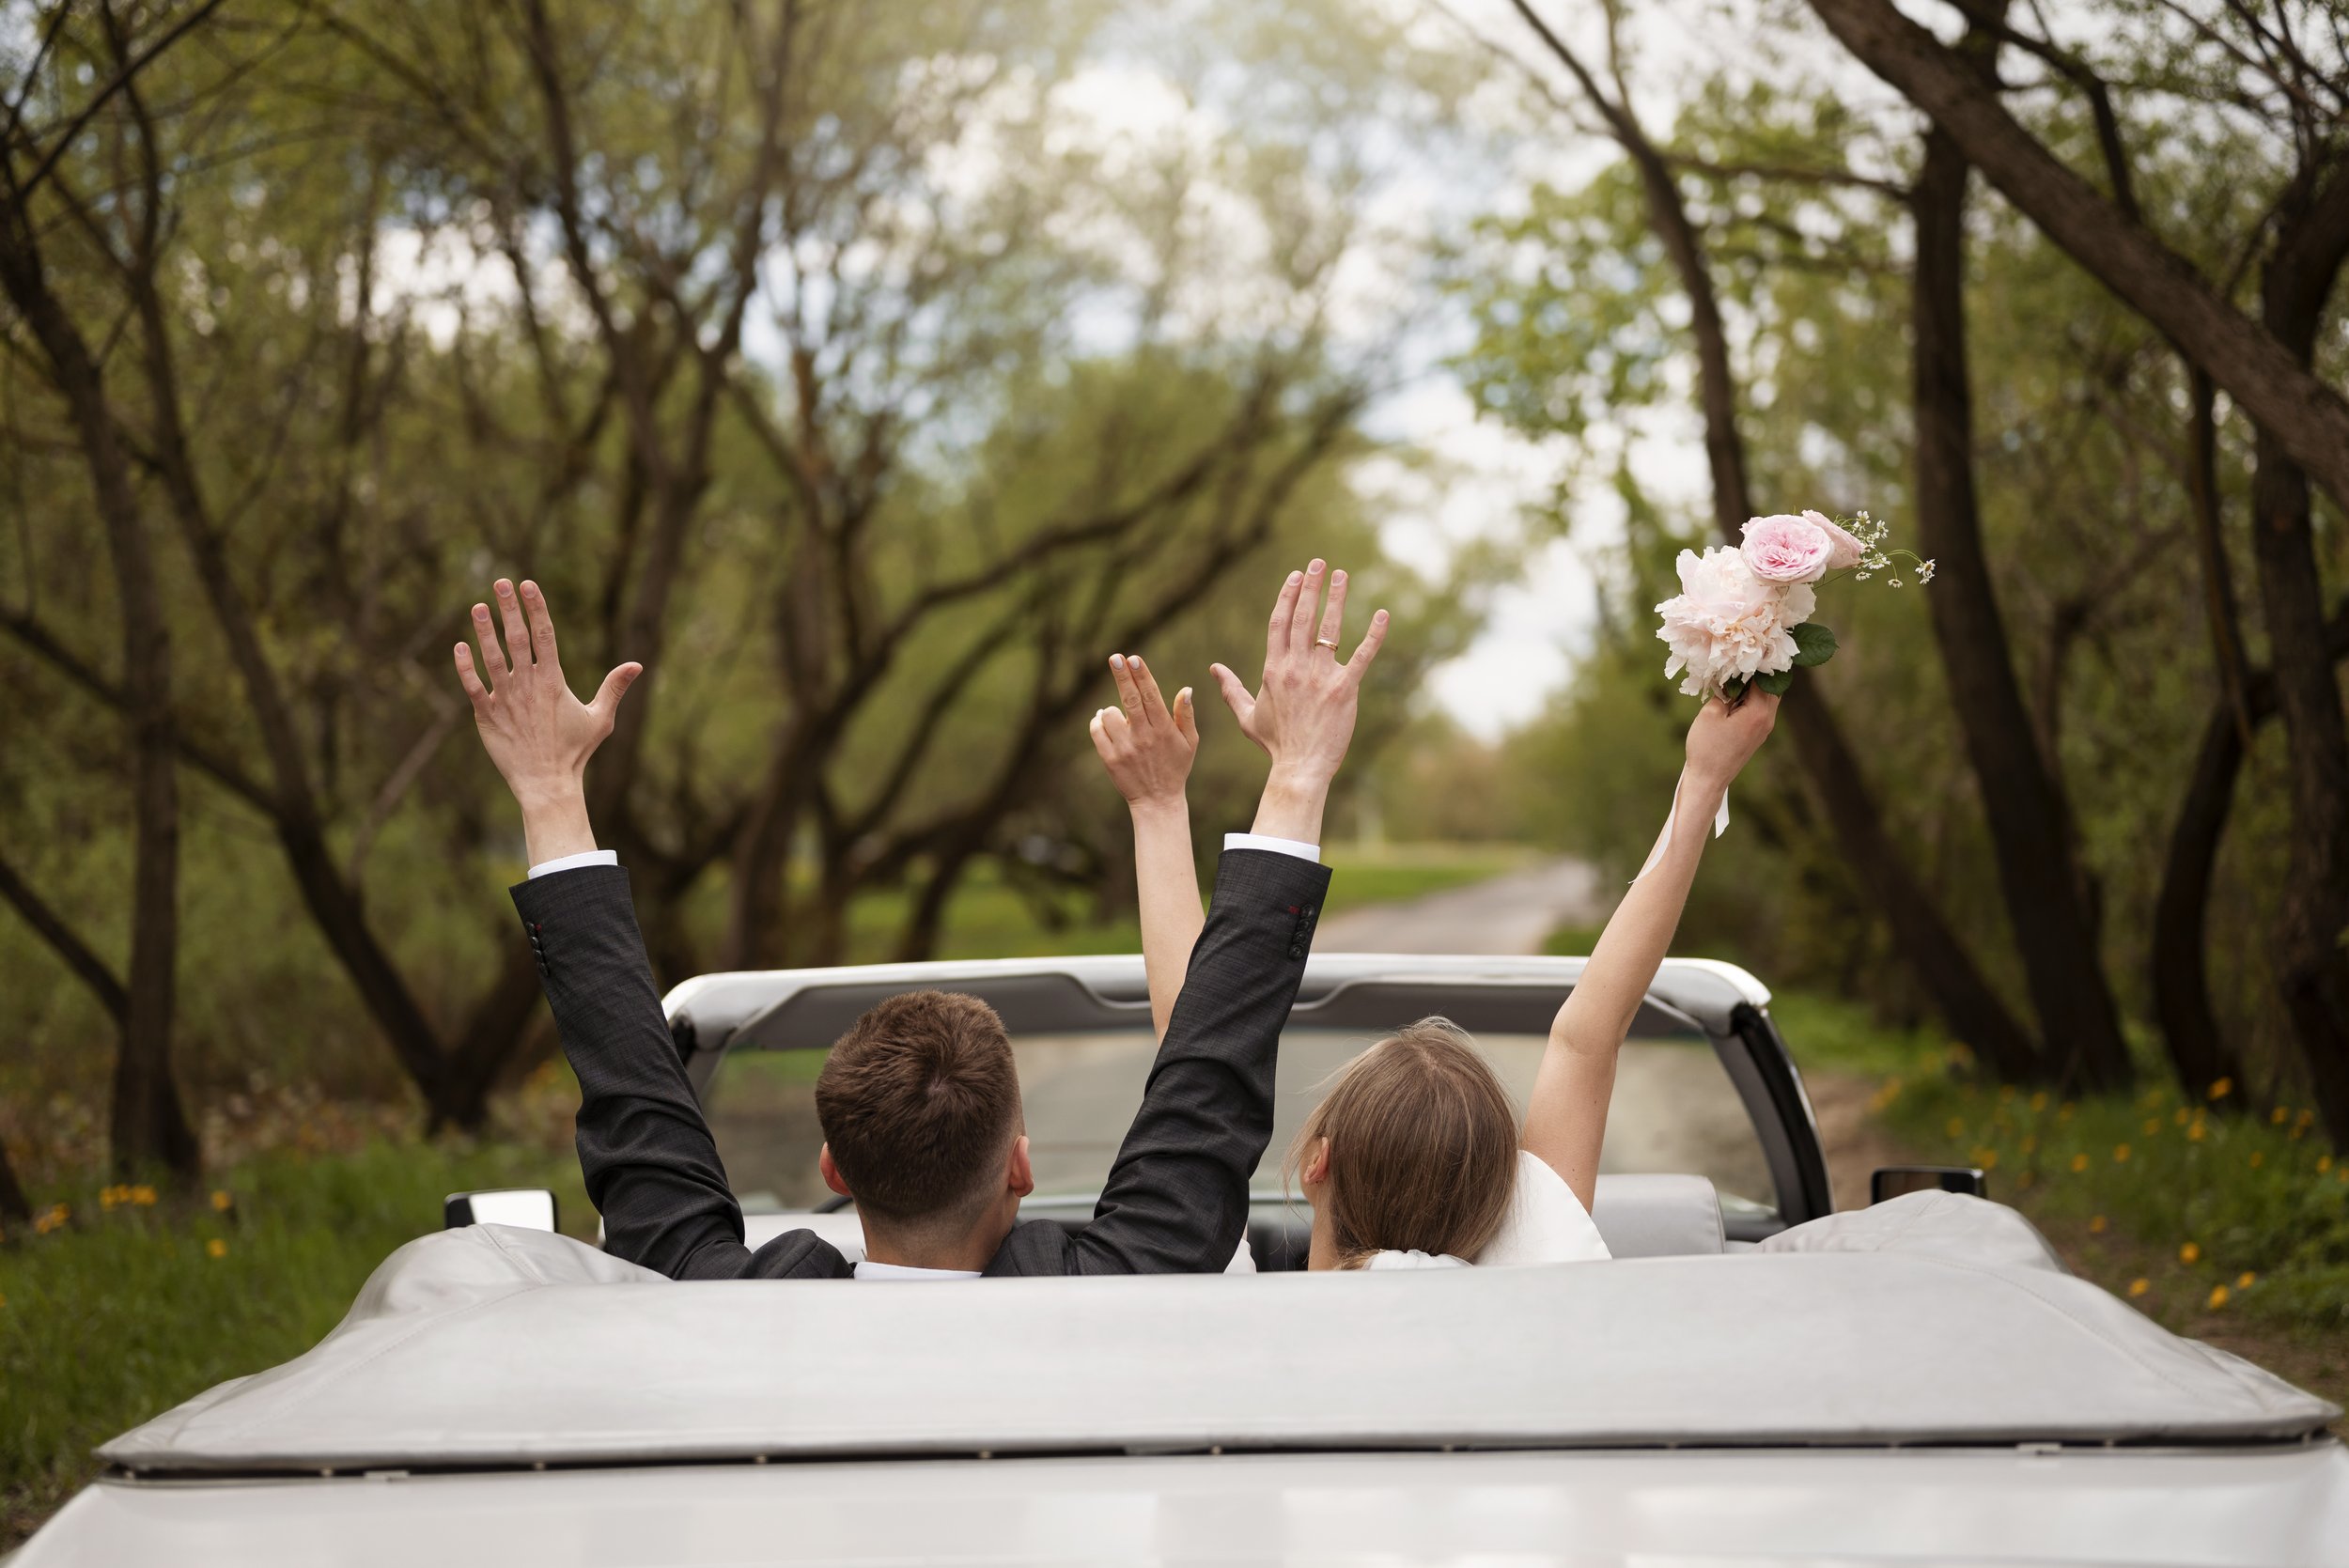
[1176, 1200]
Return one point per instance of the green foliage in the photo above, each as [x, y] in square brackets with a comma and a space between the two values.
[2249, 1192]
[2252, 1190]
[981, 328]
[2079, 431]
[126, 1310]
[1815, 644]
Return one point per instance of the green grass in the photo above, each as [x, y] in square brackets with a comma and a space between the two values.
[988, 917]
[125, 1310]
[2216, 1193]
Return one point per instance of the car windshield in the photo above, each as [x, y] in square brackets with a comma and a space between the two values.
[1674, 1110]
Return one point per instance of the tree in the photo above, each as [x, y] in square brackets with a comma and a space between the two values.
[2303, 429]
[1925, 940]
[2030, 820]
[148, 1125]
[781, 354]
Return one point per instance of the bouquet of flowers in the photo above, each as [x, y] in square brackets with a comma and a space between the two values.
[1742, 618]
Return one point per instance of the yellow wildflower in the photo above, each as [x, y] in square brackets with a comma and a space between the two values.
[2039, 1100]
[2217, 1297]
[2096, 1225]
[1986, 1157]
[2065, 1110]
[2189, 1252]
[2246, 1280]
[2120, 1153]
[2138, 1287]
[2276, 1117]
[2306, 1118]
[2258, 1159]
[56, 1216]
[2342, 1175]
[2323, 1163]
[143, 1195]
[222, 1201]
[2220, 1089]
[1957, 1126]
[2006, 1093]
[216, 1247]
[2180, 1116]
[2080, 1163]
[2196, 1133]
[2153, 1125]
[2030, 1142]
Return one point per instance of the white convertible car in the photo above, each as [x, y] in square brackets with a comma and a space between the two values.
[1755, 1379]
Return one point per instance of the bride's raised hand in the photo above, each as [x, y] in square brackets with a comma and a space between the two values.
[1723, 738]
[1147, 744]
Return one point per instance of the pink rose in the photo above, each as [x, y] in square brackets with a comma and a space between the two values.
[1787, 549]
[1847, 550]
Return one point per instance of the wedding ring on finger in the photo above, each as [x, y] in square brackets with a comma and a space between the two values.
[1329, 642]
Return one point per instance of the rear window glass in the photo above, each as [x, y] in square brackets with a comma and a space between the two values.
[1674, 1110]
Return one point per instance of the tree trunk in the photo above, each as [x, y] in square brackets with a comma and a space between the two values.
[2311, 242]
[2022, 796]
[14, 1206]
[2310, 958]
[926, 923]
[148, 1124]
[1968, 1003]
[498, 1025]
[2307, 419]
[2199, 1051]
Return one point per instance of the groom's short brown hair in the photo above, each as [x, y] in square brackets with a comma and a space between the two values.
[920, 1102]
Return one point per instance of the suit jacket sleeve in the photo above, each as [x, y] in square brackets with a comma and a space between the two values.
[1176, 1200]
[651, 1166]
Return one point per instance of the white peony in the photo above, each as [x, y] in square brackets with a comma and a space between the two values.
[1729, 625]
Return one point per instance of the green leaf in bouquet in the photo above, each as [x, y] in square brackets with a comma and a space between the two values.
[1778, 682]
[1815, 644]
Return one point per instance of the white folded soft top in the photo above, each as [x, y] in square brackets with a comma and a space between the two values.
[1934, 1320]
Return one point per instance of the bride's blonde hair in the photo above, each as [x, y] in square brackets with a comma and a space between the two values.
[1422, 1147]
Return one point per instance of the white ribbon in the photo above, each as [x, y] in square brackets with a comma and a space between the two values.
[1720, 824]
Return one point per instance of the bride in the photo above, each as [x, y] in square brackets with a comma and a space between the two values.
[1414, 1157]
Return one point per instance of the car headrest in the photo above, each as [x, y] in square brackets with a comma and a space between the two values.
[1656, 1216]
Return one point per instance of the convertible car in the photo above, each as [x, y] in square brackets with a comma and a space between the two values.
[1757, 1379]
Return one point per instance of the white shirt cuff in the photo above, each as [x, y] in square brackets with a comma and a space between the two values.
[572, 862]
[1277, 845]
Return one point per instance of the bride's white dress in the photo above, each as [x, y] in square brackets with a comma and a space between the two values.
[1546, 1223]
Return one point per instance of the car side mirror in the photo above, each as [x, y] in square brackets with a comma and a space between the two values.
[525, 1208]
[1899, 1181]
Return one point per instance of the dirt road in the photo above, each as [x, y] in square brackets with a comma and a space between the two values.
[1511, 913]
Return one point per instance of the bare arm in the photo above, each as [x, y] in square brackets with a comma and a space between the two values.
[1149, 748]
[1177, 1197]
[1565, 1120]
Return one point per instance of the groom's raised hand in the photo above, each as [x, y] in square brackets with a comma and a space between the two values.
[1302, 712]
[539, 735]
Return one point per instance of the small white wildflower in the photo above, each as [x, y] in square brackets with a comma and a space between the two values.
[1925, 573]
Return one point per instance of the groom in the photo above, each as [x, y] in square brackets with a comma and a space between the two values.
[920, 1101]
